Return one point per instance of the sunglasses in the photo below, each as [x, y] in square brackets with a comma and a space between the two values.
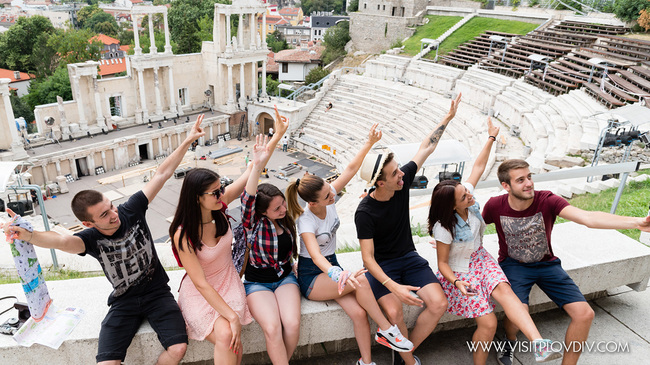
[217, 193]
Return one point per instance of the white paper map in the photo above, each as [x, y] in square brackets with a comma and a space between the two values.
[52, 330]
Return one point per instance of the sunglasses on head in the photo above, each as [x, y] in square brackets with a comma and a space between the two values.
[217, 193]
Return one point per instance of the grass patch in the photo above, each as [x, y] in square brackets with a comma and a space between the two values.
[473, 28]
[9, 276]
[433, 29]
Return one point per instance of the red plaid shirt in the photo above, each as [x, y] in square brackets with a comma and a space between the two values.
[264, 247]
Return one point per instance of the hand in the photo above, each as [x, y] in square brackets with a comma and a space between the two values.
[14, 232]
[374, 135]
[454, 106]
[492, 130]
[235, 341]
[404, 294]
[281, 123]
[434, 243]
[260, 150]
[352, 279]
[462, 286]
[196, 132]
[644, 224]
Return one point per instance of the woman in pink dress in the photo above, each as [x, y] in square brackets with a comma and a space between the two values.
[211, 296]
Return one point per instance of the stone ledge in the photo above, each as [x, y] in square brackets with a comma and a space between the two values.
[597, 260]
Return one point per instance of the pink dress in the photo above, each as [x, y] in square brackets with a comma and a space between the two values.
[220, 272]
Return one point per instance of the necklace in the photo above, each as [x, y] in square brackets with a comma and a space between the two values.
[212, 221]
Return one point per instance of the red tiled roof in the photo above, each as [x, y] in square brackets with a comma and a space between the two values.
[272, 67]
[125, 47]
[297, 55]
[273, 19]
[137, 1]
[289, 11]
[9, 74]
[111, 67]
[105, 39]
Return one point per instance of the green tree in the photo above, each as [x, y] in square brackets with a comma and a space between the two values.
[44, 91]
[17, 43]
[271, 85]
[184, 16]
[310, 6]
[205, 29]
[628, 10]
[276, 41]
[335, 39]
[354, 6]
[102, 22]
[125, 36]
[315, 74]
[75, 46]
[44, 57]
[21, 109]
[85, 13]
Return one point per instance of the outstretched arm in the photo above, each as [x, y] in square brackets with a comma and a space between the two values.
[234, 190]
[482, 158]
[45, 239]
[373, 136]
[430, 143]
[602, 220]
[166, 169]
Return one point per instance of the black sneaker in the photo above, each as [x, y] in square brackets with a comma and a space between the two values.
[506, 355]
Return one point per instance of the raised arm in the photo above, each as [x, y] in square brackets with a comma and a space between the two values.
[482, 158]
[401, 291]
[430, 143]
[45, 239]
[166, 169]
[373, 137]
[261, 155]
[197, 275]
[234, 190]
[602, 220]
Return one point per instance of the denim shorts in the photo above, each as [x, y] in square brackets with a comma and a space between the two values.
[308, 272]
[548, 275]
[251, 286]
[410, 269]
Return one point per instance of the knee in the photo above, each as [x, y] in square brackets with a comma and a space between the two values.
[395, 314]
[291, 325]
[222, 334]
[358, 314]
[177, 351]
[488, 326]
[438, 306]
[272, 330]
[584, 315]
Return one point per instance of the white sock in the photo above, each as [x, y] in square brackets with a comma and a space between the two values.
[363, 363]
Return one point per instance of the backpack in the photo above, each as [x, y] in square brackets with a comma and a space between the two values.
[241, 246]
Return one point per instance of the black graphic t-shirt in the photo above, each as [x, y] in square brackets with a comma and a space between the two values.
[128, 257]
[525, 235]
[388, 223]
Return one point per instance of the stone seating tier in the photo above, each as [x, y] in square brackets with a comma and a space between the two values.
[586, 254]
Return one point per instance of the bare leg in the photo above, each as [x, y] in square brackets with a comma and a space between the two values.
[486, 327]
[264, 308]
[288, 299]
[393, 308]
[110, 362]
[516, 312]
[221, 337]
[173, 355]
[581, 317]
[360, 323]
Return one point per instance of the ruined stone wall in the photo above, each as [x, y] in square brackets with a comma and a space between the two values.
[376, 33]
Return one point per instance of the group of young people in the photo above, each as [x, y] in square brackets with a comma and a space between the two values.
[214, 303]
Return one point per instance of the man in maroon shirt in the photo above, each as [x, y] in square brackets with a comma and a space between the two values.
[524, 220]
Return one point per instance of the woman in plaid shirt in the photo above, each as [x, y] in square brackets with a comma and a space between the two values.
[271, 287]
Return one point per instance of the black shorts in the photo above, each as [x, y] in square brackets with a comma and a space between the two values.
[548, 275]
[410, 269]
[125, 316]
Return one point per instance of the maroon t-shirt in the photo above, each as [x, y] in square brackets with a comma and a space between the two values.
[525, 235]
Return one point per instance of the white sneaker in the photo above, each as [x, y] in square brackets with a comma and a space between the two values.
[394, 339]
[359, 362]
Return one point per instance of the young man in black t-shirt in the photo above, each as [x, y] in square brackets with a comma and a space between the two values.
[395, 270]
[119, 238]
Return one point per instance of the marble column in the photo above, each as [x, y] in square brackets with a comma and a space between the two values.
[173, 93]
[231, 98]
[104, 160]
[83, 123]
[73, 168]
[90, 161]
[228, 35]
[160, 147]
[264, 94]
[156, 84]
[143, 99]
[136, 35]
[253, 80]
[240, 32]
[16, 143]
[216, 31]
[152, 38]
[116, 163]
[170, 148]
[168, 46]
[57, 165]
[178, 139]
[252, 20]
[46, 176]
[242, 83]
[98, 104]
[263, 34]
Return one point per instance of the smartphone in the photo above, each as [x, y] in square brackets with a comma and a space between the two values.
[471, 290]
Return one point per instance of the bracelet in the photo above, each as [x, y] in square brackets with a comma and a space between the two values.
[456, 281]
[31, 236]
[494, 138]
[385, 281]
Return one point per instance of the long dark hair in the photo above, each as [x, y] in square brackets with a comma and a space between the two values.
[307, 187]
[443, 201]
[188, 211]
[266, 193]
